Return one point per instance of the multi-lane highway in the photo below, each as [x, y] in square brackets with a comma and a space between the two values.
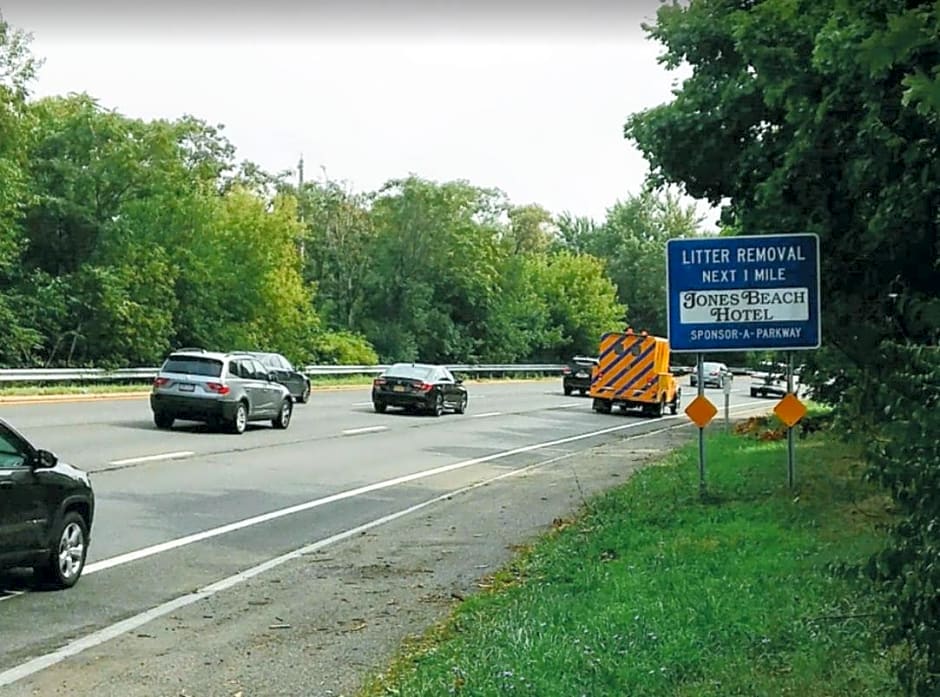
[191, 510]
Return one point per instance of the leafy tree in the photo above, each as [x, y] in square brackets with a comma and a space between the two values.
[823, 117]
[435, 270]
[575, 232]
[17, 69]
[582, 302]
[530, 230]
[339, 238]
[632, 241]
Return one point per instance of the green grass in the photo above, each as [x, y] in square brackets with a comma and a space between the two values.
[17, 390]
[650, 591]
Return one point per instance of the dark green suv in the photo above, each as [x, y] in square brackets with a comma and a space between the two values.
[46, 511]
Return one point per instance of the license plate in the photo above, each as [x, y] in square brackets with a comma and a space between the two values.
[186, 387]
[398, 388]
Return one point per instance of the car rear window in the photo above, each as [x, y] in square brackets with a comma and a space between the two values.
[412, 372]
[193, 365]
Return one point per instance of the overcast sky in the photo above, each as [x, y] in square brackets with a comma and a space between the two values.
[530, 99]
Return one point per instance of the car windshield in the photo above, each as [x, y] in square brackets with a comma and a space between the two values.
[411, 372]
[712, 367]
[193, 365]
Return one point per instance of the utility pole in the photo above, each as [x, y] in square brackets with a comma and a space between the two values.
[300, 207]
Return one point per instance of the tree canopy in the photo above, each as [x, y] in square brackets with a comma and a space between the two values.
[824, 116]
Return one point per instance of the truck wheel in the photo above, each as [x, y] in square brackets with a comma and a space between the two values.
[601, 406]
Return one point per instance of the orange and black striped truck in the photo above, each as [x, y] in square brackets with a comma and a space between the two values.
[633, 372]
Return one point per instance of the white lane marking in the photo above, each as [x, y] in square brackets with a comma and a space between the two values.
[570, 406]
[485, 414]
[7, 595]
[90, 641]
[154, 458]
[362, 404]
[367, 429]
[145, 552]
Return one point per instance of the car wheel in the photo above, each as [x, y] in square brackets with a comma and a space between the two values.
[462, 407]
[239, 422]
[379, 407]
[567, 391]
[305, 395]
[282, 420]
[69, 546]
[162, 420]
[438, 408]
[753, 392]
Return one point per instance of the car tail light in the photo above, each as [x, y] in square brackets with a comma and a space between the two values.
[217, 387]
[378, 381]
[425, 387]
[566, 370]
[160, 382]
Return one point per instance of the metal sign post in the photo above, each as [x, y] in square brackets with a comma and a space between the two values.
[700, 383]
[726, 387]
[790, 473]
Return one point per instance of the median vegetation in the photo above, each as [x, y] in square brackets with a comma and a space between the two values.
[650, 591]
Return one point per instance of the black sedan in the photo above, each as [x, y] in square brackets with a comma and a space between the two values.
[46, 511]
[419, 387]
[285, 373]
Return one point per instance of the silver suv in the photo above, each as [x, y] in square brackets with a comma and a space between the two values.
[221, 389]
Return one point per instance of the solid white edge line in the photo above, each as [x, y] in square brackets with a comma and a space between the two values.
[153, 458]
[366, 429]
[488, 413]
[145, 552]
[113, 631]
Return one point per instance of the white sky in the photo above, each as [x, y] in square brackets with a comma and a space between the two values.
[531, 99]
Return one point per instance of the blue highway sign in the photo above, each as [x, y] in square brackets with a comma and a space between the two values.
[757, 292]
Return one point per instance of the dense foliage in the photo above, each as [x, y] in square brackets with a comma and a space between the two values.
[122, 238]
[824, 116]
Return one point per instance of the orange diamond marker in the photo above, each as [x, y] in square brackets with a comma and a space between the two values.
[701, 411]
[790, 410]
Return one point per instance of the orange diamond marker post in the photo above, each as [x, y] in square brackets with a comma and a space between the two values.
[701, 411]
[790, 410]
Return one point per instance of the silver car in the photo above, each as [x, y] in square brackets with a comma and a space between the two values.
[222, 389]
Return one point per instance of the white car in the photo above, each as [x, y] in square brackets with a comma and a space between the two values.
[713, 374]
[770, 380]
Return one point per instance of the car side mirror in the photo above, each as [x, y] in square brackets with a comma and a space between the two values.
[458, 381]
[45, 459]
[272, 377]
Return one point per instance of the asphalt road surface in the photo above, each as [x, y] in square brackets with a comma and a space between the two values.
[190, 521]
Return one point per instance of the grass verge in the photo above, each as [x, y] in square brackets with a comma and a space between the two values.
[651, 591]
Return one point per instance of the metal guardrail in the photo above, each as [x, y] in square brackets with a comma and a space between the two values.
[9, 375]
[504, 368]
[54, 375]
